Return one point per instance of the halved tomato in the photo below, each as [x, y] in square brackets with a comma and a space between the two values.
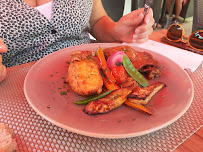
[119, 74]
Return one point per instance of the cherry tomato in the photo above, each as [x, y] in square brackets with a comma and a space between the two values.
[119, 74]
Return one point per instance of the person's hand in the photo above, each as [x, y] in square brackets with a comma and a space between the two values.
[131, 28]
[3, 71]
[185, 2]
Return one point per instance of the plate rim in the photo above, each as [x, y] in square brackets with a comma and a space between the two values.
[100, 135]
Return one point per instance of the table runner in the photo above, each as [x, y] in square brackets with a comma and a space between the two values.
[34, 133]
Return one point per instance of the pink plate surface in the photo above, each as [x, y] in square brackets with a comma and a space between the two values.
[44, 87]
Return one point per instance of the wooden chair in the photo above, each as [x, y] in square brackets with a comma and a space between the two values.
[157, 7]
[198, 15]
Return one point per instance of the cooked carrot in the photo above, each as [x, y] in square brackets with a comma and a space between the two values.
[110, 86]
[103, 64]
[137, 106]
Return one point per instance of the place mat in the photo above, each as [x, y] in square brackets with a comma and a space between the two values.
[35, 134]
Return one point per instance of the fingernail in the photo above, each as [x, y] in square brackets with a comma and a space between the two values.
[134, 36]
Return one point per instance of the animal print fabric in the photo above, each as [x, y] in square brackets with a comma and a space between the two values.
[30, 36]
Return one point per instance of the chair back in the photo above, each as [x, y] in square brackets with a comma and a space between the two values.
[114, 8]
[198, 15]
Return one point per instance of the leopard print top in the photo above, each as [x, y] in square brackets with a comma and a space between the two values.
[30, 36]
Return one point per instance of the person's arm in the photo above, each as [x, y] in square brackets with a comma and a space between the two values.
[128, 29]
[3, 71]
[101, 25]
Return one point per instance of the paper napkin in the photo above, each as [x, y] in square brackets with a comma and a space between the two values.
[185, 59]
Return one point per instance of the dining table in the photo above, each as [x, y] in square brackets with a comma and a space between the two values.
[33, 133]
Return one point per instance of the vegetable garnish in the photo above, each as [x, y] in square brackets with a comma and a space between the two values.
[119, 74]
[115, 59]
[87, 100]
[64, 92]
[103, 64]
[132, 71]
[137, 106]
[110, 86]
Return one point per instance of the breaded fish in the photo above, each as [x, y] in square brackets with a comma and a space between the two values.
[108, 103]
[144, 95]
[84, 75]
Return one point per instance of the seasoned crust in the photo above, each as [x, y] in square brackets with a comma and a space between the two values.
[84, 76]
[108, 103]
[80, 55]
[144, 95]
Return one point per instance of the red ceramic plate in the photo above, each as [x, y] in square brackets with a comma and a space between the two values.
[44, 89]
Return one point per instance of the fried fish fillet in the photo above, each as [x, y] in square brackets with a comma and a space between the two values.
[144, 95]
[130, 82]
[142, 61]
[84, 75]
[108, 103]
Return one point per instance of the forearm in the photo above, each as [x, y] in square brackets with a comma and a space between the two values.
[128, 29]
[103, 30]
